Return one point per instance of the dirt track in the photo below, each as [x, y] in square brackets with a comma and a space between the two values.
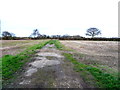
[48, 69]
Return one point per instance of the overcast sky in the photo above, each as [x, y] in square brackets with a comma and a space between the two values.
[52, 17]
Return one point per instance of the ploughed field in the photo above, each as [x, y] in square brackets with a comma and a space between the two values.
[59, 64]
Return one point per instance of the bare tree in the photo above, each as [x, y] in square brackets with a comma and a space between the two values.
[7, 35]
[35, 33]
[93, 32]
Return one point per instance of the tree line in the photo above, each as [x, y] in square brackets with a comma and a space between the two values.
[36, 35]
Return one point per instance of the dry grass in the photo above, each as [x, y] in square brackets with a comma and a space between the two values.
[13, 47]
[100, 53]
[10, 43]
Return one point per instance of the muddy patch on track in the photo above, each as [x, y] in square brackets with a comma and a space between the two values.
[48, 69]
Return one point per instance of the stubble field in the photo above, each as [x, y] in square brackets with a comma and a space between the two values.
[102, 52]
[13, 47]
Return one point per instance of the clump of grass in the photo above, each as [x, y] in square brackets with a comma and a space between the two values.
[10, 63]
[57, 44]
[52, 41]
[104, 79]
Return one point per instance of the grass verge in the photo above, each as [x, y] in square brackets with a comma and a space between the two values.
[104, 80]
[11, 64]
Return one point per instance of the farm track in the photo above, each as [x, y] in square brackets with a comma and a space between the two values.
[48, 69]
